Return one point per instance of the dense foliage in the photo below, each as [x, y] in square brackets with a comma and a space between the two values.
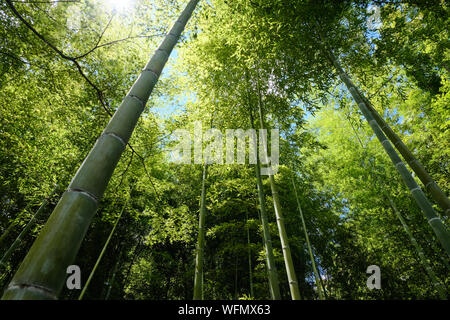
[66, 66]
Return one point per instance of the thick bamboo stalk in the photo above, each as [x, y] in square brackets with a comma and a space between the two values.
[419, 251]
[438, 195]
[26, 229]
[292, 277]
[313, 262]
[43, 271]
[88, 281]
[434, 220]
[271, 266]
[270, 259]
[198, 277]
[430, 185]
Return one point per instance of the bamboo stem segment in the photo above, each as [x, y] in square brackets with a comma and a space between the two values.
[430, 185]
[270, 258]
[292, 277]
[423, 260]
[435, 222]
[313, 262]
[198, 277]
[250, 273]
[43, 271]
[88, 281]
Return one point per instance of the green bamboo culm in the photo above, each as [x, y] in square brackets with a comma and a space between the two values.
[272, 272]
[308, 243]
[416, 246]
[250, 273]
[430, 185]
[27, 228]
[111, 280]
[43, 271]
[433, 219]
[434, 280]
[198, 276]
[105, 246]
[292, 278]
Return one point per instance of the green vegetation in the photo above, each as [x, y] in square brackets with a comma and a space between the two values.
[91, 94]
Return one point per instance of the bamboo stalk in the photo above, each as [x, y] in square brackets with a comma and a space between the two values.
[313, 262]
[250, 274]
[292, 278]
[434, 220]
[43, 271]
[418, 249]
[88, 281]
[423, 260]
[270, 259]
[111, 280]
[430, 185]
[441, 199]
[198, 277]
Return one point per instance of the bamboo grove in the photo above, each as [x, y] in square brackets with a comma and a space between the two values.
[93, 92]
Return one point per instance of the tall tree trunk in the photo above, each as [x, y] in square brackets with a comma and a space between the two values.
[271, 266]
[88, 281]
[434, 220]
[419, 251]
[198, 277]
[292, 278]
[313, 262]
[43, 271]
[26, 229]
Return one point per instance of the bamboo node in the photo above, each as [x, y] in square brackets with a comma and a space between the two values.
[398, 163]
[435, 218]
[34, 287]
[173, 35]
[415, 189]
[115, 136]
[373, 122]
[431, 182]
[136, 97]
[86, 193]
[385, 140]
[151, 71]
[162, 50]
